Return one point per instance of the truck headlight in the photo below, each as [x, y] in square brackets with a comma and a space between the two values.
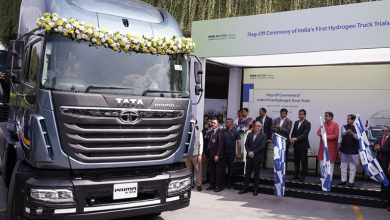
[178, 185]
[50, 195]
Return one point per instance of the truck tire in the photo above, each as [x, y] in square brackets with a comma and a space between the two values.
[10, 213]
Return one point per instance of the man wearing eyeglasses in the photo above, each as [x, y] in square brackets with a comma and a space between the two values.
[254, 145]
[383, 148]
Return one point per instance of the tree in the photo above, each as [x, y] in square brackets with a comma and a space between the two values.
[9, 20]
[185, 11]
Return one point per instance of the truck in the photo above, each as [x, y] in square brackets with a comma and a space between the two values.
[94, 133]
[4, 88]
[374, 126]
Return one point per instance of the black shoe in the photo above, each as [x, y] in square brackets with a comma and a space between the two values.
[210, 187]
[350, 184]
[243, 191]
[228, 187]
[255, 193]
[301, 179]
[342, 183]
[199, 188]
[294, 178]
[218, 189]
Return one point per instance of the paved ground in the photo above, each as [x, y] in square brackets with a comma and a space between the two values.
[228, 204]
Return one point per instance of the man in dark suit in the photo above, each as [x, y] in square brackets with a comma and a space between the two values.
[266, 129]
[205, 157]
[282, 126]
[254, 145]
[216, 153]
[383, 148]
[300, 139]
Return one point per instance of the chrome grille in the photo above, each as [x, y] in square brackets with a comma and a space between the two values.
[94, 139]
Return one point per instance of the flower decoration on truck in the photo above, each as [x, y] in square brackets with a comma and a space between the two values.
[81, 31]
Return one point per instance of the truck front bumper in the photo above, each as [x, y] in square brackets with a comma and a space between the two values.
[93, 198]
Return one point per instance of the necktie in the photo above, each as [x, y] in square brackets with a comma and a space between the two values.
[262, 123]
[383, 142]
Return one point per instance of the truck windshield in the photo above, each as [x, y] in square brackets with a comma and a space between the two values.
[72, 66]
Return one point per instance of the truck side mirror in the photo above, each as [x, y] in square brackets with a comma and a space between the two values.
[16, 76]
[198, 89]
[17, 55]
[198, 73]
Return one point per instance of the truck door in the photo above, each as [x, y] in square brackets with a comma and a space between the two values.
[28, 87]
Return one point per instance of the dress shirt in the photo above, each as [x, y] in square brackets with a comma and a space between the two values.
[383, 141]
[254, 138]
[281, 121]
[262, 123]
[200, 144]
[300, 122]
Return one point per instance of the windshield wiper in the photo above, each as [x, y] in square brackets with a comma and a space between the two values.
[144, 93]
[106, 87]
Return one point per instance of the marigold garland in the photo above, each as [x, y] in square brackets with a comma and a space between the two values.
[73, 29]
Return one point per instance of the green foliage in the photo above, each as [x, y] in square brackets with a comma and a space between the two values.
[187, 11]
[9, 20]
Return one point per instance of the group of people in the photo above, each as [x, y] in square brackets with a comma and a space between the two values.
[220, 148]
[215, 146]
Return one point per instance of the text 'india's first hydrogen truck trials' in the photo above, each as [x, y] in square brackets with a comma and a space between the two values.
[99, 121]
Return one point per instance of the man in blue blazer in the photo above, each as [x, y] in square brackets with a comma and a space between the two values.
[254, 145]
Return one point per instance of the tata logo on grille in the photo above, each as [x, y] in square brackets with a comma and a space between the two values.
[129, 102]
[129, 116]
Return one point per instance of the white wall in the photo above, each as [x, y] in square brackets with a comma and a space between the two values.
[234, 97]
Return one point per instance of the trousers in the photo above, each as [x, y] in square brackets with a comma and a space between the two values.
[193, 164]
[217, 172]
[352, 172]
[205, 166]
[229, 159]
[252, 165]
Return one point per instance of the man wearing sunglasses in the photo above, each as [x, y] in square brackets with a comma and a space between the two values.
[383, 148]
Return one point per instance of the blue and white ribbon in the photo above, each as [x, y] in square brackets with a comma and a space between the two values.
[325, 171]
[369, 162]
[279, 164]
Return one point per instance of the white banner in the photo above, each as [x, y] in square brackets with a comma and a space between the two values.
[319, 29]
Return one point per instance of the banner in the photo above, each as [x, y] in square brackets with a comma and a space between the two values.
[369, 162]
[327, 29]
[279, 164]
[325, 170]
[296, 88]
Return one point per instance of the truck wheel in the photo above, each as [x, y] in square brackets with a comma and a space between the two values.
[10, 214]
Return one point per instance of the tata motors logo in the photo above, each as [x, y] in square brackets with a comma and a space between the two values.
[261, 76]
[221, 36]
